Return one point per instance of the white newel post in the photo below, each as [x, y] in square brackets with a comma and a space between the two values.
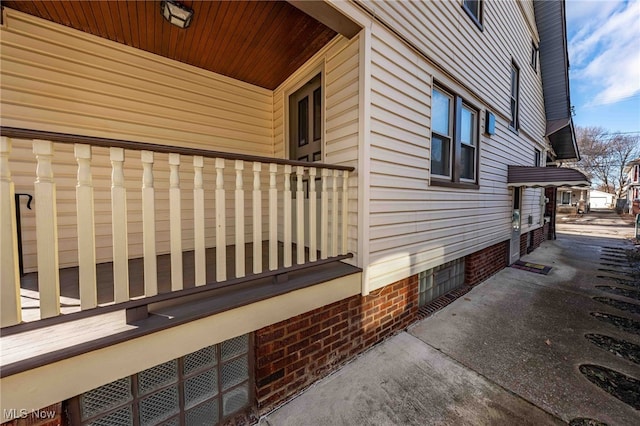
[273, 218]
[9, 270]
[299, 216]
[287, 216]
[46, 231]
[149, 225]
[334, 215]
[345, 211]
[257, 219]
[175, 222]
[119, 227]
[221, 227]
[324, 215]
[198, 222]
[86, 229]
[239, 213]
[313, 244]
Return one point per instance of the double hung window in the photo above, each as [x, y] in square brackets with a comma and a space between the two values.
[454, 139]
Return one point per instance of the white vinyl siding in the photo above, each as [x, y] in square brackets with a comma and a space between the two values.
[339, 61]
[415, 226]
[442, 31]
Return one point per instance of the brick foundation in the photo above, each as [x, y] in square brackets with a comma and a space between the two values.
[294, 353]
[482, 264]
[537, 237]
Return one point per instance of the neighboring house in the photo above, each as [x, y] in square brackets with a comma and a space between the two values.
[573, 199]
[632, 186]
[601, 199]
[225, 213]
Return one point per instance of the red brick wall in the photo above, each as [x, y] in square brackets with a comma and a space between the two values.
[482, 264]
[524, 238]
[294, 353]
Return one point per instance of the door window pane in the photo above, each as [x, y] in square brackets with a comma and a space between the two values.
[317, 115]
[303, 121]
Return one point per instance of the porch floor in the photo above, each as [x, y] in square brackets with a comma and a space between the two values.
[70, 289]
[69, 338]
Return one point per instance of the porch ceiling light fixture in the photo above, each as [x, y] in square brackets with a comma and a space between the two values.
[176, 13]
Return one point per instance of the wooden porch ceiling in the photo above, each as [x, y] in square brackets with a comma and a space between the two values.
[259, 42]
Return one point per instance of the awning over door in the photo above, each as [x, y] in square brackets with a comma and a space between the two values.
[537, 177]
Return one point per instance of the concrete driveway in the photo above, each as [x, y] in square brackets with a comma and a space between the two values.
[508, 352]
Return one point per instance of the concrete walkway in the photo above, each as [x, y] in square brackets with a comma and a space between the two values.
[508, 352]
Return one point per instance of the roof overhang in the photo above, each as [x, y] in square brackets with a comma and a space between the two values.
[562, 137]
[542, 177]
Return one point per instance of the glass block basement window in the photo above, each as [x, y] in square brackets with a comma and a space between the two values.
[440, 280]
[201, 388]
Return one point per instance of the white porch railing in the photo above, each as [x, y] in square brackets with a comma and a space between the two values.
[275, 184]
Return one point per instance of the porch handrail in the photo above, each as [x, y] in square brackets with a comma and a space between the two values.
[332, 194]
[68, 138]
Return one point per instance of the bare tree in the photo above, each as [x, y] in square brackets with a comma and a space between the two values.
[604, 155]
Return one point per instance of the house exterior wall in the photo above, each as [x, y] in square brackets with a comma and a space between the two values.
[54, 78]
[416, 225]
[339, 64]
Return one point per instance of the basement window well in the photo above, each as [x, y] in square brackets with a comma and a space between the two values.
[202, 388]
[440, 280]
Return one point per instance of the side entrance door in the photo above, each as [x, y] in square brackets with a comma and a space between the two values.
[305, 140]
[514, 251]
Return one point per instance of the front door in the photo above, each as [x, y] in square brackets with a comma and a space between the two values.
[305, 111]
[305, 141]
[514, 252]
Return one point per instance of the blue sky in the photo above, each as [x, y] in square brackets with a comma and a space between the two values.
[604, 58]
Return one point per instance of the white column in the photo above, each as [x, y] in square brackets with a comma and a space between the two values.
[257, 219]
[239, 212]
[149, 225]
[200, 256]
[86, 229]
[299, 216]
[10, 309]
[221, 223]
[273, 218]
[119, 227]
[313, 244]
[345, 211]
[175, 222]
[286, 223]
[46, 231]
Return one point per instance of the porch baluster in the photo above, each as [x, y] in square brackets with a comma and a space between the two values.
[313, 255]
[273, 218]
[10, 307]
[299, 216]
[149, 225]
[119, 227]
[257, 219]
[46, 231]
[345, 211]
[286, 223]
[175, 222]
[239, 213]
[200, 258]
[86, 229]
[221, 227]
[334, 214]
[324, 215]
